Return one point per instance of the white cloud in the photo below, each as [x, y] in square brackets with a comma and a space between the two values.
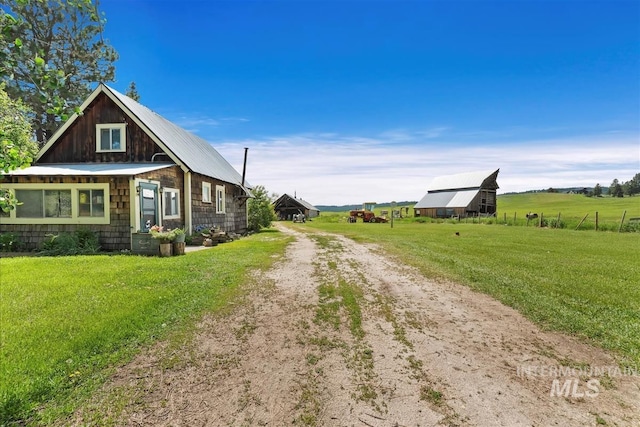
[199, 124]
[328, 169]
[195, 123]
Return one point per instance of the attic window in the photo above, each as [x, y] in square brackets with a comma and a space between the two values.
[111, 137]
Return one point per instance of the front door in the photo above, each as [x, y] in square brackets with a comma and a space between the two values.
[148, 206]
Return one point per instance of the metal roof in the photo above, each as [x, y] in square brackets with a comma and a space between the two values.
[460, 181]
[447, 199]
[196, 153]
[308, 205]
[93, 169]
[285, 198]
[189, 151]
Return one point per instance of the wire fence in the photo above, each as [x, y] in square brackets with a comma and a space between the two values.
[589, 221]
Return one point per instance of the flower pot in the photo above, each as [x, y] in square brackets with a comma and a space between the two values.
[165, 249]
[178, 248]
[144, 244]
[179, 238]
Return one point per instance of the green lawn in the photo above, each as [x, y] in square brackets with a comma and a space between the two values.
[64, 320]
[584, 283]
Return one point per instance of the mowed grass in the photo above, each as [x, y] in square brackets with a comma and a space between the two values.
[65, 320]
[583, 283]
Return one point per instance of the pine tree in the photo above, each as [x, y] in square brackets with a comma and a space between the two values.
[52, 52]
[132, 92]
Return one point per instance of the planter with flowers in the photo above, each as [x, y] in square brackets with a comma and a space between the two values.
[179, 241]
[165, 237]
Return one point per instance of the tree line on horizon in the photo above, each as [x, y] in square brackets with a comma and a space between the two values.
[615, 189]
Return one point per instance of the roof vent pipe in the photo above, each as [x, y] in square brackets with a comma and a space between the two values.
[158, 154]
[244, 166]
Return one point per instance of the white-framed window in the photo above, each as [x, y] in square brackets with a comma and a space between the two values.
[41, 203]
[91, 203]
[170, 203]
[220, 199]
[111, 137]
[59, 204]
[206, 192]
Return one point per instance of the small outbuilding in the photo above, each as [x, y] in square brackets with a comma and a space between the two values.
[287, 206]
[460, 195]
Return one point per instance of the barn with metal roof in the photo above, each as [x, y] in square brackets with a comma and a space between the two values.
[287, 206]
[460, 195]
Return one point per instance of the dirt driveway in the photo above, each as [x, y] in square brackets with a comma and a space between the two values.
[338, 334]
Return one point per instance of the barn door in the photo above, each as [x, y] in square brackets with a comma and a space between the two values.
[148, 206]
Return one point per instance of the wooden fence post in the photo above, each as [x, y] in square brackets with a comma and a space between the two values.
[580, 223]
[558, 221]
[596, 220]
[541, 218]
[622, 220]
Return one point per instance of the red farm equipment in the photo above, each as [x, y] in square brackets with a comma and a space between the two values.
[366, 214]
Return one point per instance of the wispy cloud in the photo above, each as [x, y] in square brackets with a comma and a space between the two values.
[404, 135]
[334, 169]
[234, 119]
[201, 123]
[196, 124]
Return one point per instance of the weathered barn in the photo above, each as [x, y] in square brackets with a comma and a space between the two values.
[462, 195]
[118, 169]
[287, 206]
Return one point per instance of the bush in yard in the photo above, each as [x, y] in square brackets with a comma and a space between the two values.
[80, 242]
[10, 242]
[261, 212]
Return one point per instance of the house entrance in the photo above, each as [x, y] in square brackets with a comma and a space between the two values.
[148, 206]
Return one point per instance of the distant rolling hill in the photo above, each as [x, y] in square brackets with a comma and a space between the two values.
[345, 208]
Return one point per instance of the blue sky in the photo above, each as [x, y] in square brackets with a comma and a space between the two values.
[346, 101]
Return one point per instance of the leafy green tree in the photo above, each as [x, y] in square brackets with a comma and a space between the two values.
[597, 190]
[632, 186]
[615, 190]
[132, 92]
[52, 51]
[261, 212]
[17, 148]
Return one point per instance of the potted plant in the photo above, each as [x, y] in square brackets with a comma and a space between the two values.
[179, 241]
[165, 237]
[179, 235]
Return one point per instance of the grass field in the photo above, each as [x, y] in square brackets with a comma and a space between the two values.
[572, 208]
[65, 320]
[581, 283]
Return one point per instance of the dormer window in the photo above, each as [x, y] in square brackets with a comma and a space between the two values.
[111, 137]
